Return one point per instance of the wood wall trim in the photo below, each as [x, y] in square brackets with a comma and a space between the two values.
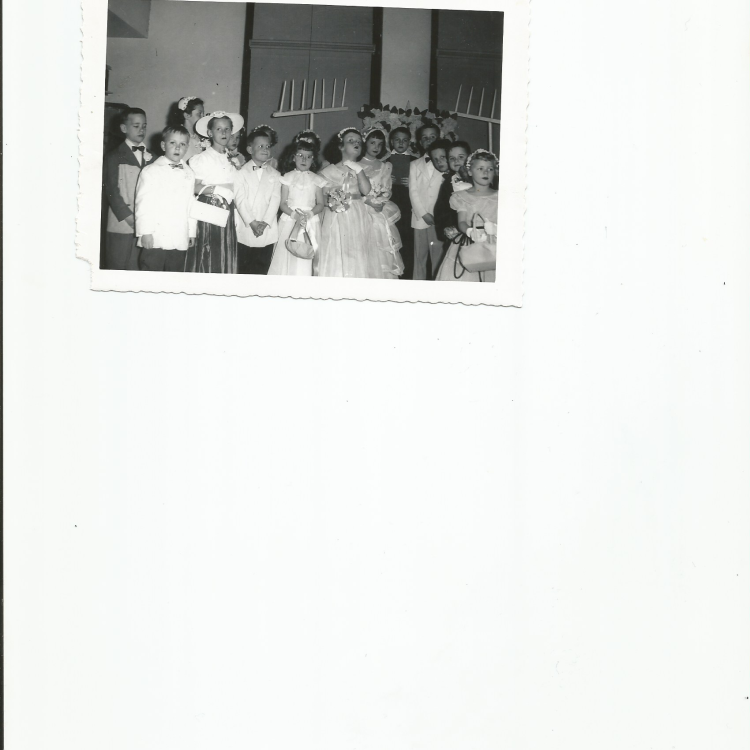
[307, 46]
[468, 54]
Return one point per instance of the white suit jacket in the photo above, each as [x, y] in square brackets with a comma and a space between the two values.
[424, 186]
[257, 193]
[162, 204]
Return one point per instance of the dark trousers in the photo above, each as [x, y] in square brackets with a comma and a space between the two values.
[255, 260]
[120, 252]
[162, 260]
[401, 198]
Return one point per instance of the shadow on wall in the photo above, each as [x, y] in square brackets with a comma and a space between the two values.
[331, 150]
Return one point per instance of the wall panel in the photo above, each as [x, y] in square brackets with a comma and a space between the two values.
[469, 52]
[290, 42]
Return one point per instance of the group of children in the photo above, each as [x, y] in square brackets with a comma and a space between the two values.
[203, 207]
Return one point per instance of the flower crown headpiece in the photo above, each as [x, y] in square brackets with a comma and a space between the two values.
[182, 104]
[304, 133]
[263, 128]
[369, 131]
[481, 153]
[306, 142]
[344, 131]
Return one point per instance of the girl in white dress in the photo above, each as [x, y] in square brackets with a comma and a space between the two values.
[385, 238]
[301, 204]
[345, 244]
[480, 200]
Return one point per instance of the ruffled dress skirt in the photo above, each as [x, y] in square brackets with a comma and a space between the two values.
[385, 259]
[345, 243]
[215, 248]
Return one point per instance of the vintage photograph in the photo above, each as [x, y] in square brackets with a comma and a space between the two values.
[303, 143]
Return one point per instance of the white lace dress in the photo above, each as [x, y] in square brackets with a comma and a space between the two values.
[302, 187]
[386, 262]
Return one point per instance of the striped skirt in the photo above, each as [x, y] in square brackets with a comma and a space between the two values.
[215, 248]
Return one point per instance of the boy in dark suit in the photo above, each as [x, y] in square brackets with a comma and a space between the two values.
[122, 167]
[399, 139]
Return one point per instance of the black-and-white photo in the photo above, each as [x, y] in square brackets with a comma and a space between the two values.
[303, 150]
[302, 140]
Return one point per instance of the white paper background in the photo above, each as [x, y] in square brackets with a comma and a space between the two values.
[285, 524]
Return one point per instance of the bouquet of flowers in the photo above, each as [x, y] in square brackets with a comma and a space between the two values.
[236, 159]
[378, 195]
[459, 184]
[338, 200]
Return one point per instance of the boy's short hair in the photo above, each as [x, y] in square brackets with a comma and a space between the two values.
[399, 129]
[440, 143]
[178, 129]
[131, 111]
[461, 144]
[427, 126]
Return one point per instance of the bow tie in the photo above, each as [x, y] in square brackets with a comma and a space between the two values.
[138, 148]
[176, 166]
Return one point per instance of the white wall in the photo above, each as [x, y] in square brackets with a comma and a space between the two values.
[192, 48]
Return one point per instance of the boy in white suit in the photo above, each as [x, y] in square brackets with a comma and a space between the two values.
[424, 186]
[257, 193]
[162, 206]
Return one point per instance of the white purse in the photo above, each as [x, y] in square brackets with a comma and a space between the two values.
[478, 256]
[207, 213]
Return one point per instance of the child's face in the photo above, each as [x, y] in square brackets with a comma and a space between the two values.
[482, 172]
[303, 160]
[175, 146]
[234, 142]
[428, 136]
[351, 147]
[220, 131]
[373, 147]
[457, 158]
[400, 142]
[134, 128]
[260, 149]
[439, 159]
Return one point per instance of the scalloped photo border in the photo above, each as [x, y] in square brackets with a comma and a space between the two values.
[506, 291]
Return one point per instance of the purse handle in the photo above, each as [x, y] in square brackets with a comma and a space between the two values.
[297, 226]
[221, 197]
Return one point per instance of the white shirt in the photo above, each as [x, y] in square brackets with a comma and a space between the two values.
[138, 154]
[424, 186]
[257, 197]
[162, 204]
[212, 168]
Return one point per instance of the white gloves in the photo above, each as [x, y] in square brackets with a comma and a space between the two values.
[356, 168]
[490, 228]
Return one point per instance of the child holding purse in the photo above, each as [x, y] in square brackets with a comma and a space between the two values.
[301, 204]
[477, 221]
